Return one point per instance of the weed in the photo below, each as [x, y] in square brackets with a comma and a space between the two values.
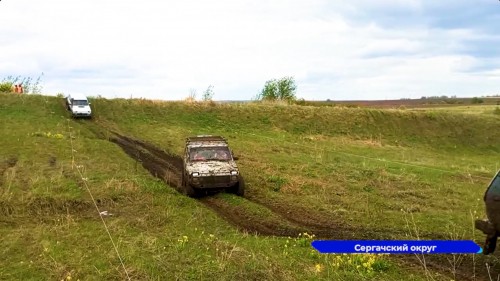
[366, 265]
[496, 111]
[305, 239]
[48, 135]
[182, 241]
[277, 182]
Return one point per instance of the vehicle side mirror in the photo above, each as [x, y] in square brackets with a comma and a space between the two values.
[90, 103]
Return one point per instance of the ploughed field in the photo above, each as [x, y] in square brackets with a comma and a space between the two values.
[310, 172]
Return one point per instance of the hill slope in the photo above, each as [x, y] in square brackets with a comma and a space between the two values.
[337, 173]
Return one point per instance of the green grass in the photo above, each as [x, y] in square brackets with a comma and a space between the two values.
[368, 169]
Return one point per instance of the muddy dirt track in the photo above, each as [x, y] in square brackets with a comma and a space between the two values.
[284, 222]
[290, 221]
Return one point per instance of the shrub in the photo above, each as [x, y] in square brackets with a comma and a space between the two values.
[279, 90]
[476, 100]
[208, 94]
[6, 87]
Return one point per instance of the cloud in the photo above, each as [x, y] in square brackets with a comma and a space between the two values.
[359, 49]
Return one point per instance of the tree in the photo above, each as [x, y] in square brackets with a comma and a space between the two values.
[283, 89]
[208, 94]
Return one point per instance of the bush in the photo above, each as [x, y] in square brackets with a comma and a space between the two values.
[6, 87]
[476, 100]
[208, 94]
[279, 90]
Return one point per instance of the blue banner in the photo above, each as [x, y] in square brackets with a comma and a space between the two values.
[397, 246]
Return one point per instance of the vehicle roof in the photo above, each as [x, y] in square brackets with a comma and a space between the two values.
[78, 96]
[205, 140]
[207, 144]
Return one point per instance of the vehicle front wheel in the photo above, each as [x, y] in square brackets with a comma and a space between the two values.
[187, 189]
[239, 188]
[490, 244]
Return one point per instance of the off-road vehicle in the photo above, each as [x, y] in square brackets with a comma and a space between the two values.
[209, 164]
[491, 226]
[79, 106]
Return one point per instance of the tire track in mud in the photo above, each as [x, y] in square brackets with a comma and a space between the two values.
[159, 163]
[168, 168]
[287, 221]
[248, 223]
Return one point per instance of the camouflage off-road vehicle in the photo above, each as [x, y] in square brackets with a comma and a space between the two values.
[491, 226]
[210, 165]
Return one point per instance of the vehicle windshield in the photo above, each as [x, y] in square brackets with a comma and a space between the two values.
[209, 153]
[494, 188]
[80, 102]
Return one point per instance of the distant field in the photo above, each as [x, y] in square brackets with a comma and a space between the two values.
[413, 103]
[332, 172]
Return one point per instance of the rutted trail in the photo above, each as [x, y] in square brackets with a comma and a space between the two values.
[160, 164]
[284, 220]
[168, 168]
[288, 220]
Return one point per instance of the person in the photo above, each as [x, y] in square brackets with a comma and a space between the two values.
[20, 88]
[15, 88]
[197, 156]
[221, 155]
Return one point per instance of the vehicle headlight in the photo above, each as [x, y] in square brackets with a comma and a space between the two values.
[233, 173]
[195, 174]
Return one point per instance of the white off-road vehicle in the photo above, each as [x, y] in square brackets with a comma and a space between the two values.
[79, 106]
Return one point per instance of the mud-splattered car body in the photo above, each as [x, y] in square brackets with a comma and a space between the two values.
[210, 165]
[491, 226]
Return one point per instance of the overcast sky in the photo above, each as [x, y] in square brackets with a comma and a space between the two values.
[357, 49]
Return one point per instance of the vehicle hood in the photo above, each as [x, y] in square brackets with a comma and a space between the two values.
[212, 167]
[81, 108]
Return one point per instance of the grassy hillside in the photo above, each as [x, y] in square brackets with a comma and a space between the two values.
[332, 172]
